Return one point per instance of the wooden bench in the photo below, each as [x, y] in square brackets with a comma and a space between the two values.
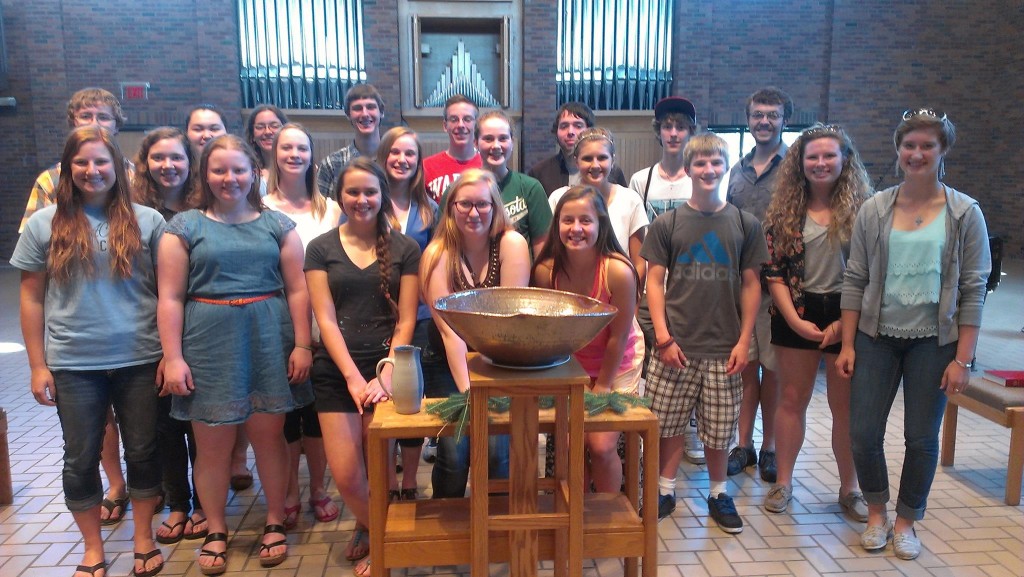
[998, 404]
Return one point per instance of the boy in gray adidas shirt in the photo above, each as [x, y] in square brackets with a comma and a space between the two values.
[703, 289]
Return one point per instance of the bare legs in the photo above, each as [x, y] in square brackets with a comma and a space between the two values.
[797, 371]
[110, 460]
[605, 464]
[212, 476]
[343, 444]
[760, 388]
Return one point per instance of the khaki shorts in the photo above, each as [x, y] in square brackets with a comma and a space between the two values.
[761, 349]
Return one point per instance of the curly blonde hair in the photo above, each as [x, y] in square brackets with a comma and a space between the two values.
[788, 207]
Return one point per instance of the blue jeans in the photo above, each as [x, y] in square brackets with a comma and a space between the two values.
[82, 399]
[177, 449]
[451, 469]
[880, 364]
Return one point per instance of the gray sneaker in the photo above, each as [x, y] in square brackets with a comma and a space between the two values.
[875, 538]
[778, 498]
[854, 505]
[693, 448]
[906, 546]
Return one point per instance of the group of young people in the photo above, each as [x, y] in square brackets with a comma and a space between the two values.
[257, 291]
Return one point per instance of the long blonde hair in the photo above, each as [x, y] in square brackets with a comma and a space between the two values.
[788, 208]
[448, 239]
[316, 200]
[71, 240]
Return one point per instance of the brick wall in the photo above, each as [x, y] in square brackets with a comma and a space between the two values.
[540, 23]
[859, 63]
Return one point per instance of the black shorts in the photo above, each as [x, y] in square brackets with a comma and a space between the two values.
[330, 388]
[302, 422]
[820, 309]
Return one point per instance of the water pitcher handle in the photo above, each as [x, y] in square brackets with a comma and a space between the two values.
[380, 367]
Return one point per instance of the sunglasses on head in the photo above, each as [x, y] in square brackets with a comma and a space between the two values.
[908, 114]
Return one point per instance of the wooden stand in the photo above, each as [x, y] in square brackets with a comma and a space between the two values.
[523, 521]
[524, 526]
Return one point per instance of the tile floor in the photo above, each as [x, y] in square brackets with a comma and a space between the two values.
[967, 532]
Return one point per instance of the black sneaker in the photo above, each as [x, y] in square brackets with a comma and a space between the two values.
[766, 465]
[723, 511]
[666, 505]
[740, 458]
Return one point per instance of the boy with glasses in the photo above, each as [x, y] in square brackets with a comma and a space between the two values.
[445, 167]
[86, 107]
[751, 181]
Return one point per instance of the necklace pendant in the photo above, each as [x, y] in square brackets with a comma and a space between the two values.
[918, 221]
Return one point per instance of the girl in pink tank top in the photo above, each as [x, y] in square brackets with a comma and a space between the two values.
[581, 255]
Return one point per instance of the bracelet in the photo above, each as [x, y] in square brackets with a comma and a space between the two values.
[664, 345]
[308, 348]
[967, 365]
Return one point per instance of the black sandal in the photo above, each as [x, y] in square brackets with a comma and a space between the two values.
[91, 570]
[145, 557]
[204, 552]
[273, 560]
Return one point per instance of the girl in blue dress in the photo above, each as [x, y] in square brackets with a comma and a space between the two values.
[235, 328]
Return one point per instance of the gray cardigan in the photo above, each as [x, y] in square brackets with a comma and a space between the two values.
[966, 263]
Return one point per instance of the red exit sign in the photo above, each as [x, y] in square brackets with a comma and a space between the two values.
[134, 90]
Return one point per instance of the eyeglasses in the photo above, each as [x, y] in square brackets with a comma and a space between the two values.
[274, 126]
[908, 114]
[482, 206]
[822, 129]
[465, 119]
[90, 117]
[758, 115]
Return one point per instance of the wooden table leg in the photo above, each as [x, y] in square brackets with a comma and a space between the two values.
[523, 418]
[478, 475]
[378, 481]
[576, 488]
[650, 520]
[1015, 466]
[948, 451]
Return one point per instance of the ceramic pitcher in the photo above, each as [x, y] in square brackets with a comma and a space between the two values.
[406, 379]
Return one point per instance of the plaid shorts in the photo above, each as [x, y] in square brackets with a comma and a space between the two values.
[704, 384]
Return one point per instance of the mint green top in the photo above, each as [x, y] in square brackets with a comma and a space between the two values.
[913, 280]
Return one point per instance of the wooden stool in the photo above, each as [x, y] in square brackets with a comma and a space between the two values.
[523, 519]
[999, 404]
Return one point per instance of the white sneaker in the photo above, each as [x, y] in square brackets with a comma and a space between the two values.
[693, 448]
[429, 450]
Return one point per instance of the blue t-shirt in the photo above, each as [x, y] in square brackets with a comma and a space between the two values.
[103, 321]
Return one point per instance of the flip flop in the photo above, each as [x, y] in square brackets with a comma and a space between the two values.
[172, 538]
[359, 546]
[91, 570]
[241, 482]
[320, 505]
[191, 536]
[291, 516]
[145, 557]
[204, 552]
[274, 560]
[120, 504]
[362, 569]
